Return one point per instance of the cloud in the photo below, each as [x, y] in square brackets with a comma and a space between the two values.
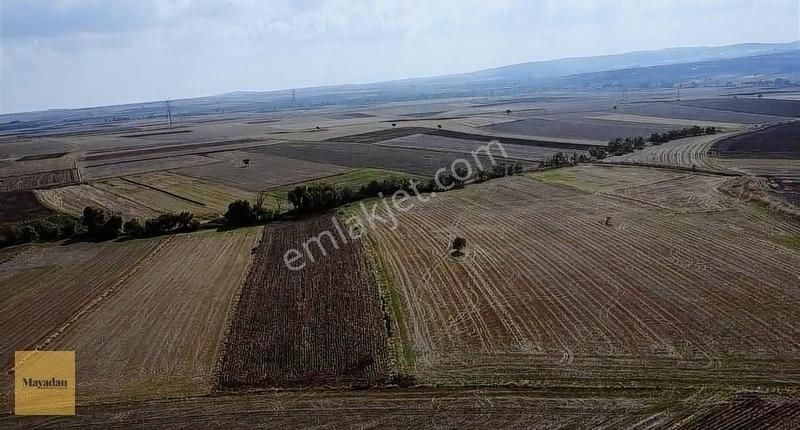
[61, 53]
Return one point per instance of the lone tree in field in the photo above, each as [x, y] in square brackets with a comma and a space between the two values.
[246, 162]
[459, 243]
[508, 111]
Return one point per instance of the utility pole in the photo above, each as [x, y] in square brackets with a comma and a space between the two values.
[169, 114]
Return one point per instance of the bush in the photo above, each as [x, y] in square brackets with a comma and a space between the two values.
[29, 234]
[133, 227]
[239, 213]
[111, 229]
[10, 235]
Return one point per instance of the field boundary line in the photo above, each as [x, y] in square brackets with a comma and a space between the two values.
[141, 184]
[382, 283]
[105, 294]
[455, 152]
[122, 196]
[633, 199]
[278, 187]
[671, 167]
[233, 310]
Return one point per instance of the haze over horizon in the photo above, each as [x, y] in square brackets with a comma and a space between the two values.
[79, 53]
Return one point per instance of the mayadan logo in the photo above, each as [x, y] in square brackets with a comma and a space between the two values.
[44, 383]
[52, 383]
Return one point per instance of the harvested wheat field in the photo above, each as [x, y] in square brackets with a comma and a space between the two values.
[16, 206]
[319, 326]
[44, 288]
[690, 152]
[548, 292]
[215, 197]
[384, 409]
[160, 201]
[263, 172]
[74, 198]
[603, 178]
[159, 334]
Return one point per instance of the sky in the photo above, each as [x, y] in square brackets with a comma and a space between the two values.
[79, 53]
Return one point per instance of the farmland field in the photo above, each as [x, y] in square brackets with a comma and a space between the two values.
[322, 326]
[124, 167]
[361, 155]
[44, 287]
[353, 179]
[214, 196]
[74, 198]
[681, 111]
[788, 108]
[672, 122]
[426, 141]
[652, 290]
[549, 294]
[596, 178]
[147, 196]
[779, 141]
[160, 333]
[470, 408]
[578, 128]
[264, 171]
[16, 206]
[687, 152]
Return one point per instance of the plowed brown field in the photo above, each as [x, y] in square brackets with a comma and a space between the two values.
[319, 326]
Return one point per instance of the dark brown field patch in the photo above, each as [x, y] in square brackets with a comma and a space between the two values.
[322, 325]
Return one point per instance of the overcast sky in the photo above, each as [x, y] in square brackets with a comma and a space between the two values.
[75, 53]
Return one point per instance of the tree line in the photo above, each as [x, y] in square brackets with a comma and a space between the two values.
[309, 199]
[620, 146]
[98, 224]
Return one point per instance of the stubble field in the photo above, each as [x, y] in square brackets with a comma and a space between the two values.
[549, 294]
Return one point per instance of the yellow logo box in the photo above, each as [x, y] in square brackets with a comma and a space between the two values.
[44, 383]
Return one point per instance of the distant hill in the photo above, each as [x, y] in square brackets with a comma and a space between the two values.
[783, 64]
[662, 68]
[573, 66]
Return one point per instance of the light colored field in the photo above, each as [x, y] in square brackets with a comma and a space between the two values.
[214, 196]
[264, 171]
[684, 193]
[672, 190]
[462, 146]
[159, 334]
[150, 198]
[597, 178]
[548, 294]
[44, 288]
[29, 175]
[688, 152]
[73, 199]
[18, 168]
[115, 168]
[145, 196]
[667, 121]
